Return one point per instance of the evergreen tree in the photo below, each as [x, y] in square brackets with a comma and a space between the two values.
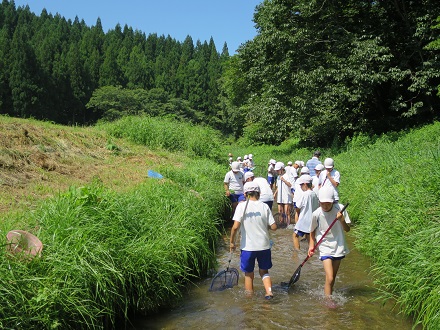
[23, 78]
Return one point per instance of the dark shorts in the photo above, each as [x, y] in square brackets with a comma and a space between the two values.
[247, 260]
[330, 257]
[235, 198]
[300, 233]
[271, 179]
[269, 203]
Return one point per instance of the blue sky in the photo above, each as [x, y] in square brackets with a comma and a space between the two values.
[227, 21]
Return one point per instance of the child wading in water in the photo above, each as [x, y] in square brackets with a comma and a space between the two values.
[306, 204]
[254, 221]
[333, 247]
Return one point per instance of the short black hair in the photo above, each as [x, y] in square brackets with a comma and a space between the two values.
[317, 153]
[255, 194]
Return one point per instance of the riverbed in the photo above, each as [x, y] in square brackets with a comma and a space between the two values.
[301, 307]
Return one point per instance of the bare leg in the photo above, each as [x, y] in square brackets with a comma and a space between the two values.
[331, 268]
[234, 206]
[249, 282]
[264, 273]
[296, 245]
[287, 211]
[280, 208]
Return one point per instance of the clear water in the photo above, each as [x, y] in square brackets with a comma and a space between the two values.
[302, 307]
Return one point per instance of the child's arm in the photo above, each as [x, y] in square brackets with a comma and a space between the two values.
[311, 244]
[226, 186]
[273, 226]
[345, 225]
[286, 182]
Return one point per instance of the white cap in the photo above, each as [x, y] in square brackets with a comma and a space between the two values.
[326, 195]
[329, 163]
[248, 174]
[238, 158]
[235, 166]
[250, 156]
[251, 186]
[246, 157]
[305, 179]
[279, 166]
[289, 163]
[305, 170]
[272, 161]
[319, 167]
[298, 162]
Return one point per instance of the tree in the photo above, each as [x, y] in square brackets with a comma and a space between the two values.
[23, 78]
[340, 67]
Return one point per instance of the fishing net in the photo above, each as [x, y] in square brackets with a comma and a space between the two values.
[280, 220]
[225, 279]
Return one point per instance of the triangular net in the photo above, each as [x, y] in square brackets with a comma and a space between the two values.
[280, 219]
[224, 280]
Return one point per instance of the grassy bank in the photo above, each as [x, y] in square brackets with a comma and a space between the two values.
[117, 242]
[112, 247]
[393, 187]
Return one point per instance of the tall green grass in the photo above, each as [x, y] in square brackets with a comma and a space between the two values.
[163, 133]
[107, 255]
[393, 187]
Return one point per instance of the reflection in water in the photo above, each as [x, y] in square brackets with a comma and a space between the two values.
[302, 307]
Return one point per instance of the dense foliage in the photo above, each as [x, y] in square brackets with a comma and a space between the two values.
[392, 185]
[50, 67]
[322, 70]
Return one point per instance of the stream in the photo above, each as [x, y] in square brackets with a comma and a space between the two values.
[301, 307]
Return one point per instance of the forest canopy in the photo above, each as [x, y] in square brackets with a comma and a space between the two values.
[320, 71]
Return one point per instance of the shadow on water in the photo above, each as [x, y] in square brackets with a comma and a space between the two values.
[302, 307]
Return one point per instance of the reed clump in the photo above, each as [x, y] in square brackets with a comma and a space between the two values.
[108, 255]
[392, 185]
[168, 134]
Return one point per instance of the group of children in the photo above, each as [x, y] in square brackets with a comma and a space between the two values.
[311, 189]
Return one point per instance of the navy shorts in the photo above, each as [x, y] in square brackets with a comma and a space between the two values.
[235, 198]
[330, 257]
[247, 260]
[269, 203]
[271, 179]
[300, 233]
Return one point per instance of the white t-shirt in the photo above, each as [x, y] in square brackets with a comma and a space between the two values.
[284, 195]
[324, 182]
[334, 243]
[254, 228]
[315, 184]
[266, 194]
[235, 181]
[307, 204]
[270, 171]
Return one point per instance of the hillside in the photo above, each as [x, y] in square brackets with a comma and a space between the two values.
[39, 159]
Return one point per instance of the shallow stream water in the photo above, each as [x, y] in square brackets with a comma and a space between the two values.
[301, 307]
